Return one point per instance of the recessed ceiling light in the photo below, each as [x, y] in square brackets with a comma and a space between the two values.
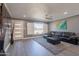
[24, 15]
[65, 13]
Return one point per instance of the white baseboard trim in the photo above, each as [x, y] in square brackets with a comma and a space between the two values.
[28, 38]
[32, 37]
[7, 47]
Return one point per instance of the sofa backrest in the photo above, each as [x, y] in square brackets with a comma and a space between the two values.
[62, 33]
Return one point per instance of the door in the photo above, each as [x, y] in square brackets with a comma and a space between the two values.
[18, 30]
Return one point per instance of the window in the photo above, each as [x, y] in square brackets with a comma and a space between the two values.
[34, 28]
[30, 28]
[38, 28]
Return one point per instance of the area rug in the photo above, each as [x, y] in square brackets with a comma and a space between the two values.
[55, 49]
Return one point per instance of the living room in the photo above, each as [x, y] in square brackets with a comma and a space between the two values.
[43, 29]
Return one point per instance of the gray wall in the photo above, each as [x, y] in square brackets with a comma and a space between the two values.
[72, 24]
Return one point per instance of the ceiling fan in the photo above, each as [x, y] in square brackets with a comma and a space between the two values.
[48, 17]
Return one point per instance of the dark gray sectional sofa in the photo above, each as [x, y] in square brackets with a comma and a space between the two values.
[55, 37]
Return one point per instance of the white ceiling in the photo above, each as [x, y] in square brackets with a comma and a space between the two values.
[35, 11]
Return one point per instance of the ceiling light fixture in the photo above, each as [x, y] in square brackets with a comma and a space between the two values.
[65, 13]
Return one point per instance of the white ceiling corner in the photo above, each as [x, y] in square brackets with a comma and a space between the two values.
[8, 9]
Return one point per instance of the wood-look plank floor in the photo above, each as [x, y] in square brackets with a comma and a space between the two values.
[62, 49]
[27, 48]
